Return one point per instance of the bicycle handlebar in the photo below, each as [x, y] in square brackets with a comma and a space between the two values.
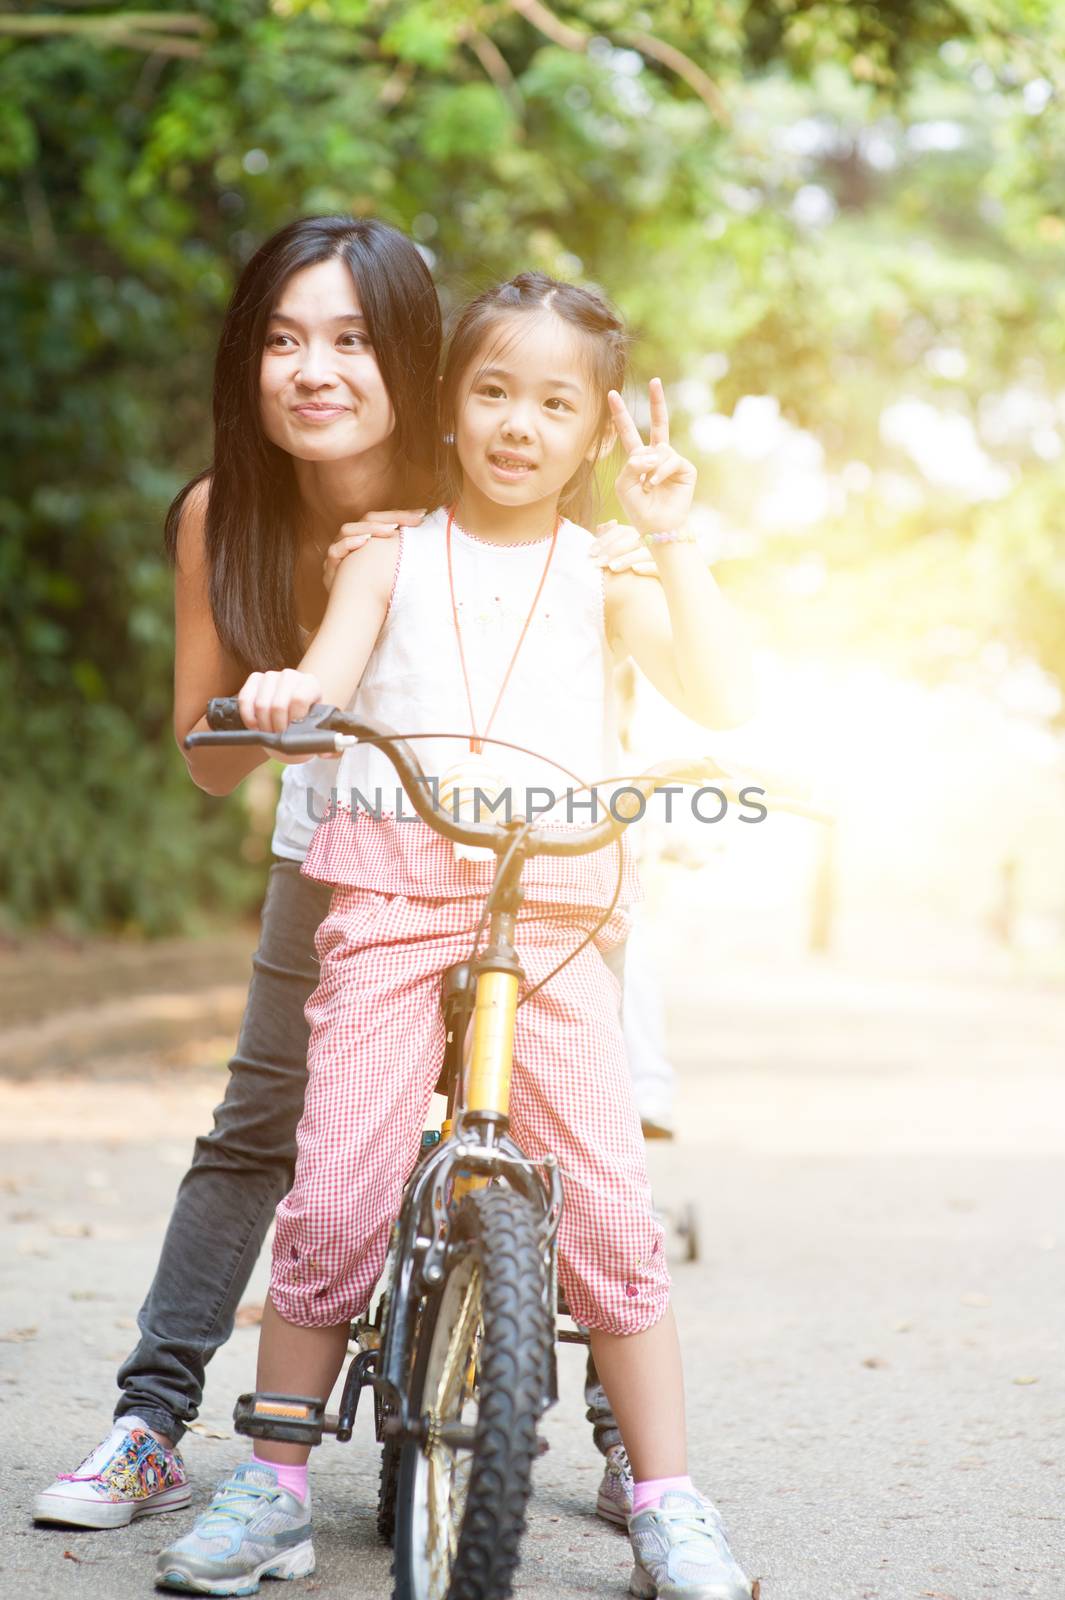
[328, 731]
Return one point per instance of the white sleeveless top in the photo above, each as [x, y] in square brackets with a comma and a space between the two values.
[304, 798]
[302, 803]
[558, 703]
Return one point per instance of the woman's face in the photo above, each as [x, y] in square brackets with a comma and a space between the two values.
[322, 395]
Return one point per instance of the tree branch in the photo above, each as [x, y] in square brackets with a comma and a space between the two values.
[494, 63]
[552, 27]
[693, 75]
[667, 55]
[120, 21]
[133, 30]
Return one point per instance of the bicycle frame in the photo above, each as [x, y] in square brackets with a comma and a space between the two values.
[476, 1147]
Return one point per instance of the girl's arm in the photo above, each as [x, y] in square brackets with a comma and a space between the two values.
[337, 655]
[202, 666]
[682, 635]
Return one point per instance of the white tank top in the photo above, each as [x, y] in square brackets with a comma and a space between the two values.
[304, 797]
[414, 681]
[558, 702]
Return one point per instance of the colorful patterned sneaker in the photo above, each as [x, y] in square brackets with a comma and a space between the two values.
[682, 1553]
[129, 1475]
[252, 1529]
[614, 1501]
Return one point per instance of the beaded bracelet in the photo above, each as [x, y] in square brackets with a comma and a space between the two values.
[674, 536]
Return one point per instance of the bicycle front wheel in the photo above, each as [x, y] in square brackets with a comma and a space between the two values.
[480, 1364]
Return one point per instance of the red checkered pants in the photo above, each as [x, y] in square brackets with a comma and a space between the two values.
[377, 1041]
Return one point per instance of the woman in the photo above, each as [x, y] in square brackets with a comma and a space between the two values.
[324, 407]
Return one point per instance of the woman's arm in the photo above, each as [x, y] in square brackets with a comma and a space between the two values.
[682, 635]
[202, 666]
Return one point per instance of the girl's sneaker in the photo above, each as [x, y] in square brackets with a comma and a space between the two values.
[252, 1529]
[682, 1553]
[614, 1501]
[129, 1475]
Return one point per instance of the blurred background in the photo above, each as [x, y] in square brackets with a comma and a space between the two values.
[837, 233]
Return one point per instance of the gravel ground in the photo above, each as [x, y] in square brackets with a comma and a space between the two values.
[873, 1331]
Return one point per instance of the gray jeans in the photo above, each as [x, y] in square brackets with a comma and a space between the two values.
[239, 1172]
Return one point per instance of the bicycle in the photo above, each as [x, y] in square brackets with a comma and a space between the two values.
[460, 1355]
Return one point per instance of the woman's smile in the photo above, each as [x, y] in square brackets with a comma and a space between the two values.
[320, 410]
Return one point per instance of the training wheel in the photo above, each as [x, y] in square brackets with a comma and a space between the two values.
[687, 1229]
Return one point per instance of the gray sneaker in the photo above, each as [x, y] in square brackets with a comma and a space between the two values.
[614, 1501]
[682, 1553]
[252, 1529]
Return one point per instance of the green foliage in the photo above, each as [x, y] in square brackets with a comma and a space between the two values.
[924, 135]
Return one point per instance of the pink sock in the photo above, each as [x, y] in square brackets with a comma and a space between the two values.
[647, 1495]
[294, 1479]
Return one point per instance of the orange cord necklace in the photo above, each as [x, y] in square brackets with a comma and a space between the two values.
[477, 739]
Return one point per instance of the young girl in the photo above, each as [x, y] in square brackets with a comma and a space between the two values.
[488, 617]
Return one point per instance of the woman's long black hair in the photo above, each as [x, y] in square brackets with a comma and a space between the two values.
[253, 520]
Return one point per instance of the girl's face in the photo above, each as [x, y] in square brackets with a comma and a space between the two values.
[527, 416]
[322, 395]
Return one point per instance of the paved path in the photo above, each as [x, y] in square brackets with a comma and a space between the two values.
[873, 1333]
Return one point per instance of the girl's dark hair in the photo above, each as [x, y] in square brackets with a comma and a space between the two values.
[584, 309]
[252, 526]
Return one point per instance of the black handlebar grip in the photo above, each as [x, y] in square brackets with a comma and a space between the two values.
[223, 716]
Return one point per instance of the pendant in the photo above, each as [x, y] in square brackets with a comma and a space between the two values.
[457, 797]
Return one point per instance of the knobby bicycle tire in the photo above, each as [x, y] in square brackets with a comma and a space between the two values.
[386, 1496]
[506, 1259]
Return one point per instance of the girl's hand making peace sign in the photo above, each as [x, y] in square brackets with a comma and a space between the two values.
[656, 485]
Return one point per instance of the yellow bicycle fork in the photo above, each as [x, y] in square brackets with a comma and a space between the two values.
[490, 1057]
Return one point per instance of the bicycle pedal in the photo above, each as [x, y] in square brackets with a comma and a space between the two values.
[295, 1418]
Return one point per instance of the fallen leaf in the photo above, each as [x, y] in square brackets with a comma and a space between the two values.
[18, 1335]
[756, 1589]
[205, 1432]
[904, 1327]
[874, 1362]
[248, 1316]
[1024, 1381]
[71, 1230]
[68, 1555]
[24, 1216]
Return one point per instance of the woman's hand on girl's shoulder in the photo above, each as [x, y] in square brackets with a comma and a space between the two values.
[353, 535]
[618, 546]
[269, 701]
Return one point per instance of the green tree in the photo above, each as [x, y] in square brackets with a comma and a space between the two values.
[762, 184]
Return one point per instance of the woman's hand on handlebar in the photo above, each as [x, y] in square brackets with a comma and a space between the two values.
[353, 535]
[269, 701]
